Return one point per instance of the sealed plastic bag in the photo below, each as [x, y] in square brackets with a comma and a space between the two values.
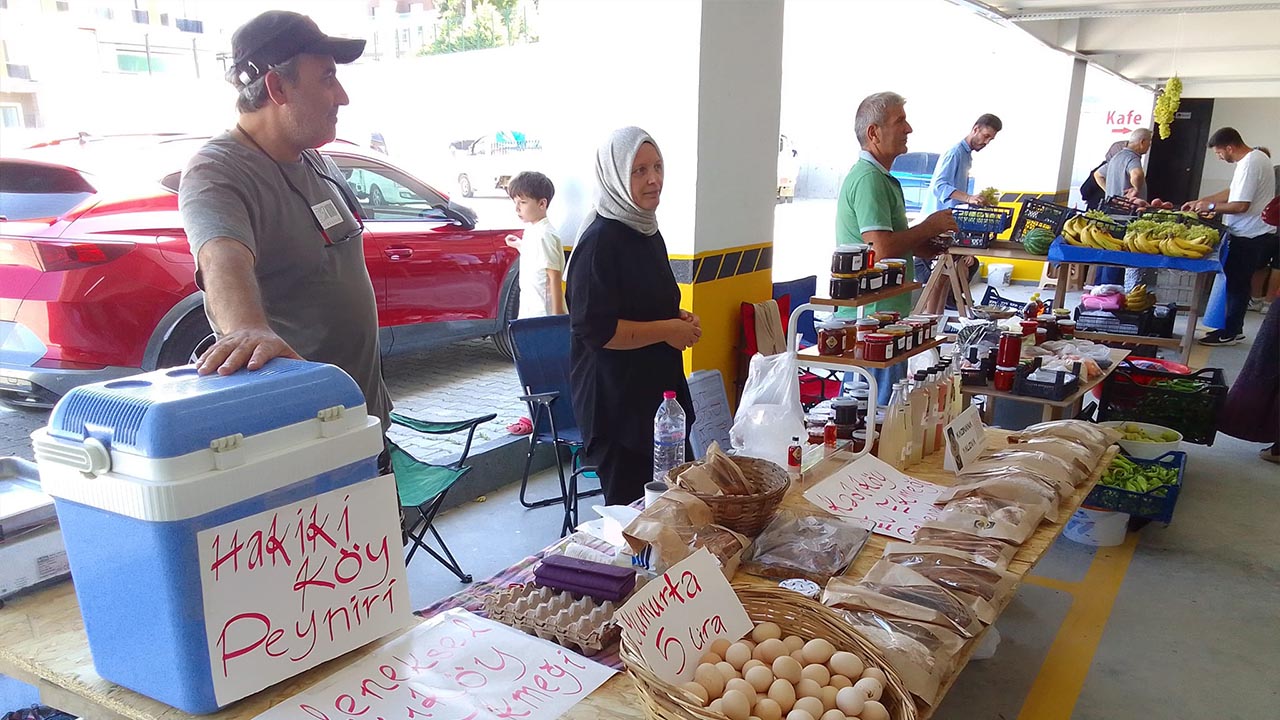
[901, 592]
[923, 654]
[769, 414]
[815, 546]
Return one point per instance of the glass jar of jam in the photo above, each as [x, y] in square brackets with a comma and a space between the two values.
[831, 338]
[1067, 329]
[896, 272]
[844, 410]
[904, 332]
[866, 326]
[844, 287]
[848, 260]
[878, 347]
[1004, 378]
[1009, 351]
[873, 281]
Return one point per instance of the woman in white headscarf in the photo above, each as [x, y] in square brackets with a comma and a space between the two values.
[628, 330]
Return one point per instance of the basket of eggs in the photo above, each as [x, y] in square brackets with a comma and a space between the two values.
[801, 661]
[743, 492]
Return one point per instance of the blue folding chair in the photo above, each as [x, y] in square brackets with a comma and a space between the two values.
[799, 292]
[542, 362]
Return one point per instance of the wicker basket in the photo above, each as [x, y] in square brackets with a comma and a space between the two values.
[796, 615]
[747, 514]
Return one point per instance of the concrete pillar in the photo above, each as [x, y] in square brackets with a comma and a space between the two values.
[704, 77]
[1075, 101]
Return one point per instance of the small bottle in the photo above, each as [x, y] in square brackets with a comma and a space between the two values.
[917, 408]
[795, 453]
[829, 436]
[894, 433]
[668, 436]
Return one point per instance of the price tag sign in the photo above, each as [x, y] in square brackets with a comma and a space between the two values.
[871, 489]
[966, 439]
[675, 617]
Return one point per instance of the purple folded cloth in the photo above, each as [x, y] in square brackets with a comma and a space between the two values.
[600, 581]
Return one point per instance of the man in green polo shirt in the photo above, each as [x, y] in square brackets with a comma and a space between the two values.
[870, 209]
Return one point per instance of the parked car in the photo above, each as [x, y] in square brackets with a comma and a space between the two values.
[914, 170]
[97, 280]
[489, 162]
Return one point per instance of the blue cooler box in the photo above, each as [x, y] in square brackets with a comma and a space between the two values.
[139, 467]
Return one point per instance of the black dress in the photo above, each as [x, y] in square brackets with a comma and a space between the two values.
[617, 273]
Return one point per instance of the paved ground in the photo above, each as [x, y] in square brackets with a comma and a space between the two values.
[454, 381]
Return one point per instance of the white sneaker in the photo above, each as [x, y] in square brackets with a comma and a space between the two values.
[1255, 304]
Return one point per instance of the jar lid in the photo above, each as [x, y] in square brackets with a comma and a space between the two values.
[844, 249]
[868, 322]
[1002, 368]
[882, 265]
[808, 588]
[894, 260]
[842, 402]
[1067, 322]
[843, 276]
[879, 337]
[831, 325]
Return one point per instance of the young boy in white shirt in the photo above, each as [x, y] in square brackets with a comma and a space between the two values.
[541, 256]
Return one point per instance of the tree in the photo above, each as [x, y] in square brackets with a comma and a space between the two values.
[462, 32]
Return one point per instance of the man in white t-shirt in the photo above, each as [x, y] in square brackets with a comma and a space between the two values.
[1252, 187]
[541, 256]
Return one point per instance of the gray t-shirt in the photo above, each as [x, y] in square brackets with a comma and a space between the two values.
[1118, 167]
[317, 297]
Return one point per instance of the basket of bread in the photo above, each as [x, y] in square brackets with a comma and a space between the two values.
[743, 492]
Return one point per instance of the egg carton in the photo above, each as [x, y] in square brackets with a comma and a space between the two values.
[574, 621]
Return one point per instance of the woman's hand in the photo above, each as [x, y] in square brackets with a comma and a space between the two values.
[683, 333]
[690, 317]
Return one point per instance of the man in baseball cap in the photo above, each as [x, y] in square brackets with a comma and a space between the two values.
[273, 226]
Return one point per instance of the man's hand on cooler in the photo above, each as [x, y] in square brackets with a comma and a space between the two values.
[682, 333]
[248, 348]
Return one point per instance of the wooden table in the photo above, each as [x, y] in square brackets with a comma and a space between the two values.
[1052, 409]
[43, 642]
[949, 271]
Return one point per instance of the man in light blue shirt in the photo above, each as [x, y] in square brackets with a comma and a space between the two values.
[949, 186]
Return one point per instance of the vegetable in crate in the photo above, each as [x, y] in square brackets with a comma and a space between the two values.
[1137, 434]
[1143, 479]
[990, 196]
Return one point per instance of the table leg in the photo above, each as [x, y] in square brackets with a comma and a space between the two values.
[1060, 287]
[964, 299]
[1193, 314]
[933, 294]
[1048, 412]
[953, 278]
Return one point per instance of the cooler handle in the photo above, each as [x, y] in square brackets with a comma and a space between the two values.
[91, 457]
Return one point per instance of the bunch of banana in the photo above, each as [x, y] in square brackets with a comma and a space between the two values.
[1080, 232]
[1139, 299]
[1142, 242]
[1185, 248]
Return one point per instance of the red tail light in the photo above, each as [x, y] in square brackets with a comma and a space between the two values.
[59, 256]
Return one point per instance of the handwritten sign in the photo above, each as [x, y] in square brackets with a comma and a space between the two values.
[871, 489]
[966, 439]
[287, 589]
[455, 666]
[674, 618]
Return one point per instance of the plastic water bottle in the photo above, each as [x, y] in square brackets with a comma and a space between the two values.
[668, 436]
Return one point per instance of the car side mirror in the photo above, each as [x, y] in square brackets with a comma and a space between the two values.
[456, 215]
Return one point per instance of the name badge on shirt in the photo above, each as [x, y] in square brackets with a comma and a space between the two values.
[327, 214]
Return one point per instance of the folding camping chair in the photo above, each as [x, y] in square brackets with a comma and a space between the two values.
[422, 486]
[542, 362]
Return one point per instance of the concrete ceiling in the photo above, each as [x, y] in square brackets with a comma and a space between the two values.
[1219, 49]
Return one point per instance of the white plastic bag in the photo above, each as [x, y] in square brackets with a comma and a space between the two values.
[769, 414]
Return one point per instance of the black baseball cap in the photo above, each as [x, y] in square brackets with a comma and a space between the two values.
[275, 36]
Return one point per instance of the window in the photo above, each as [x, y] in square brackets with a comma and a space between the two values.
[189, 25]
[388, 194]
[39, 191]
[18, 72]
[10, 115]
[130, 61]
[142, 16]
[63, 6]
[106, 13]
[164, 19]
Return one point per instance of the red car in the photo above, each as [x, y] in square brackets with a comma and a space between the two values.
[97, 279]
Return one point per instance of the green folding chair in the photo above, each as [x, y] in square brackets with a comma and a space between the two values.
[422, 486]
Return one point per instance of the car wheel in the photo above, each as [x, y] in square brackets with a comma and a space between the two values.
[502, 339]
[464, 186]
[189, 339]
[376, 198]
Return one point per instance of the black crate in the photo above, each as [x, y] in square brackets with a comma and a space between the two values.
[1039, 214]
[1163, 317]
[1059, 389]
[1137, 394]
[995, 299]
[1120, 205]
[1117, 322]
[1156, 505]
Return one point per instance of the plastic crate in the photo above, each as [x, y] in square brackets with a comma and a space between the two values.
[1156, 505]
[1117, 322]
[993, 220]
[1121, 205]
[1134, 393]
[1057, 390]
[995, 299]
[1039, 214]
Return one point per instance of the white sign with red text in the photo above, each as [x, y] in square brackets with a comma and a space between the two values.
[455, 666]
[871, 489]
[676, 616]
[292, 587]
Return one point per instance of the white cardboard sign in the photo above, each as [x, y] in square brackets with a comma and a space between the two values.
[966, 439]
[674, 618]
[871, 489]
[292, 587]
[454, 666]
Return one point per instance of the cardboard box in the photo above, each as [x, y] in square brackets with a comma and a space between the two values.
[31, 558]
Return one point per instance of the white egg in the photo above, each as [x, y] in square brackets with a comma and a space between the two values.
[874, 711]
[727, 670]
[870, 688]
[698, 690]
[808, 688]
[840, 682]
[711, 658]
[846, 664]
[799, 656]
[720, 646]
[787, 668]
[793, 643]
[818, 650]
[783, 693]
[766, 631]
[743, 687]
[829, 697]
[768, 709]
[737, 655]
[850, 701]
[716, 706]
[760, 677]
[735, 705]
[752, 663]
[811, 705]
[799, 715]
[832, 715]
[709, 677]
[877, 673]
[817, 673]
[770, 650]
